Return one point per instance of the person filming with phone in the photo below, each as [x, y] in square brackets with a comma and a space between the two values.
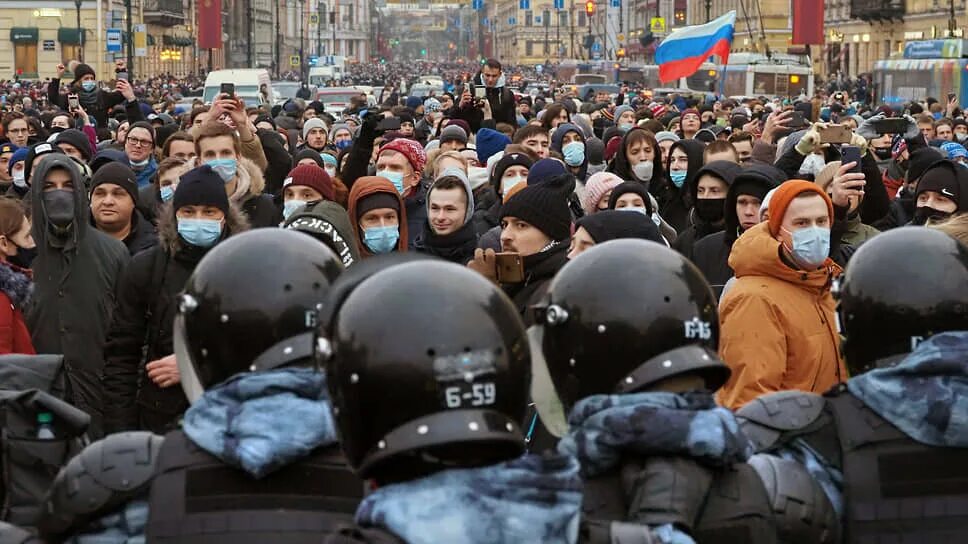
[535, 234]
[85, 92]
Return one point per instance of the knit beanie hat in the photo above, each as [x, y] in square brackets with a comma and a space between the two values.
[622, 109]
[611, 149]
[200, 187]
[307, 153]
[942, 178]
[82, 70]
[376, 201]
[543, 209]
[18, 156]
[785, 194]
[636, 187]
[507, 161]
[596, 187]
[312, 176]
[920, 160]
[615, 224]
[666, 136]
[78, 139]
[544, 169]
[121, 175]
[489, 142]
[315, 122]
[35, 151]
[451, 133]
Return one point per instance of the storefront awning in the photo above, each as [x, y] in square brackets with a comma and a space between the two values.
[24, 34]
[176, 41]
[71, 35]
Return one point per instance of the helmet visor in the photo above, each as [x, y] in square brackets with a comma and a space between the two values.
[190, 383]
[543, 394]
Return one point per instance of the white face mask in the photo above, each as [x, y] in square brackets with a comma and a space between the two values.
[331, 171]
[643, 170]
[508, 183]
[476, 176]
[18, 178]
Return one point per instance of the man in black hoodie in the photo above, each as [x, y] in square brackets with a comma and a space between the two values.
[708, 192]
[682, 164]
[711, 253]
[76, 277]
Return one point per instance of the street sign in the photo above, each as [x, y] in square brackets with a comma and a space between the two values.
[621, 37]
[114, 40]
[140, 40]
[49, 45]
[597, 55]
[314, 18]
[539, 68]
[537, 20]
[657, 24]
[293, 60]
[616, 3]
[596, 47]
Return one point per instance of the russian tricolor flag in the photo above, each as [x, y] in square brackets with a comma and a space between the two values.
[684, 51]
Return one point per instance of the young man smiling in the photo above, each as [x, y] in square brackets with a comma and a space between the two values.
[449, 232]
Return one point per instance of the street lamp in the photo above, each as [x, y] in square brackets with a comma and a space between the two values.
[80, 35]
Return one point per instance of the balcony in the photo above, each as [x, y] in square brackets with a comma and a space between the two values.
[877, 10]
[164, 12]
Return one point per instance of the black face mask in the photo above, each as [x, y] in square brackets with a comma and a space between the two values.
[59, 205]
[711, 210]
[24, 257]
[883, 153]
[923, 213]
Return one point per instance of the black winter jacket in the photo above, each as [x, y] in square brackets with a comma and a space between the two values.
[141, 330]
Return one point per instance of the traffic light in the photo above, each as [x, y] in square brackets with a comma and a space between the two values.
[620, 52]
[590, 8]
[423, 52]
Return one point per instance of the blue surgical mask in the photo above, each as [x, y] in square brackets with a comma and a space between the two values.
[396, 178]
[343, 144]
[811, 246]
[678, 178]
[330, 171]
[167, 192]
[88, 85]
[139, 164]
[291, 207]
[625, 127]
[225, 168]
[381, 239]
[574, 153]
[200, 232]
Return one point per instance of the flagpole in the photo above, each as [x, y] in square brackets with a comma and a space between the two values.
[722, 77]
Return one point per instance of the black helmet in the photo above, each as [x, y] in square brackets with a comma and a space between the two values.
[617, 306]
[900, 288]
[429, 369]
[251, 304]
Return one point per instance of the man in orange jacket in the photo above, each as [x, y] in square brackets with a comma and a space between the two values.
[778, 329]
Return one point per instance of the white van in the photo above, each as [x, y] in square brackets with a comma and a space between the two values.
[321, 75]
[247, 82]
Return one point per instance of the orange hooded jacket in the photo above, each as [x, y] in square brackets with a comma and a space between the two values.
[777, 325]
[364, 187]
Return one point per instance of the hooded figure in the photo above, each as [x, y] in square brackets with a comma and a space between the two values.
[674, 198]
[96, 103]
[615, 224]
[711, 253]
[141, 329]
[76, 275]
[575, 156]
[707, 215]
[370, 193]
[649, 208]
[458, 246]
[620, 163]
[328, 222]
[943, 180]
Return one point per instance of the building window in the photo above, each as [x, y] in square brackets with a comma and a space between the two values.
[528, 18]
[69, 52]
[25, 59]
[581, 18]
[529, 48]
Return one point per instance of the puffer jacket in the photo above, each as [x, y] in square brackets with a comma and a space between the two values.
[257, 206]
[777, 325]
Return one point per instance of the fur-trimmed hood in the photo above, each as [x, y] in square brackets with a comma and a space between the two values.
[16, 284]
[257, 182]
[168, 237]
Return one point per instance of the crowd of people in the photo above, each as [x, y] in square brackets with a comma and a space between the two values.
[480, 315]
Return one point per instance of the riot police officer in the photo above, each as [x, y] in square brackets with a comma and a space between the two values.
[890, 445]
[256, 459]
[633, 360]
[429, 367]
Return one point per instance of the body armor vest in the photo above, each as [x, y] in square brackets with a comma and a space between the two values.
[195, 498]
[897, 489]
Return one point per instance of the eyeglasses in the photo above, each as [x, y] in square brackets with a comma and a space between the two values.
[138, 142]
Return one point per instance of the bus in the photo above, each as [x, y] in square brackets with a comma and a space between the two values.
[755, 74]
[705, 80]
[934, 68]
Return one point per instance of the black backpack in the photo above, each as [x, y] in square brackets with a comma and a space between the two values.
[28, 464]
